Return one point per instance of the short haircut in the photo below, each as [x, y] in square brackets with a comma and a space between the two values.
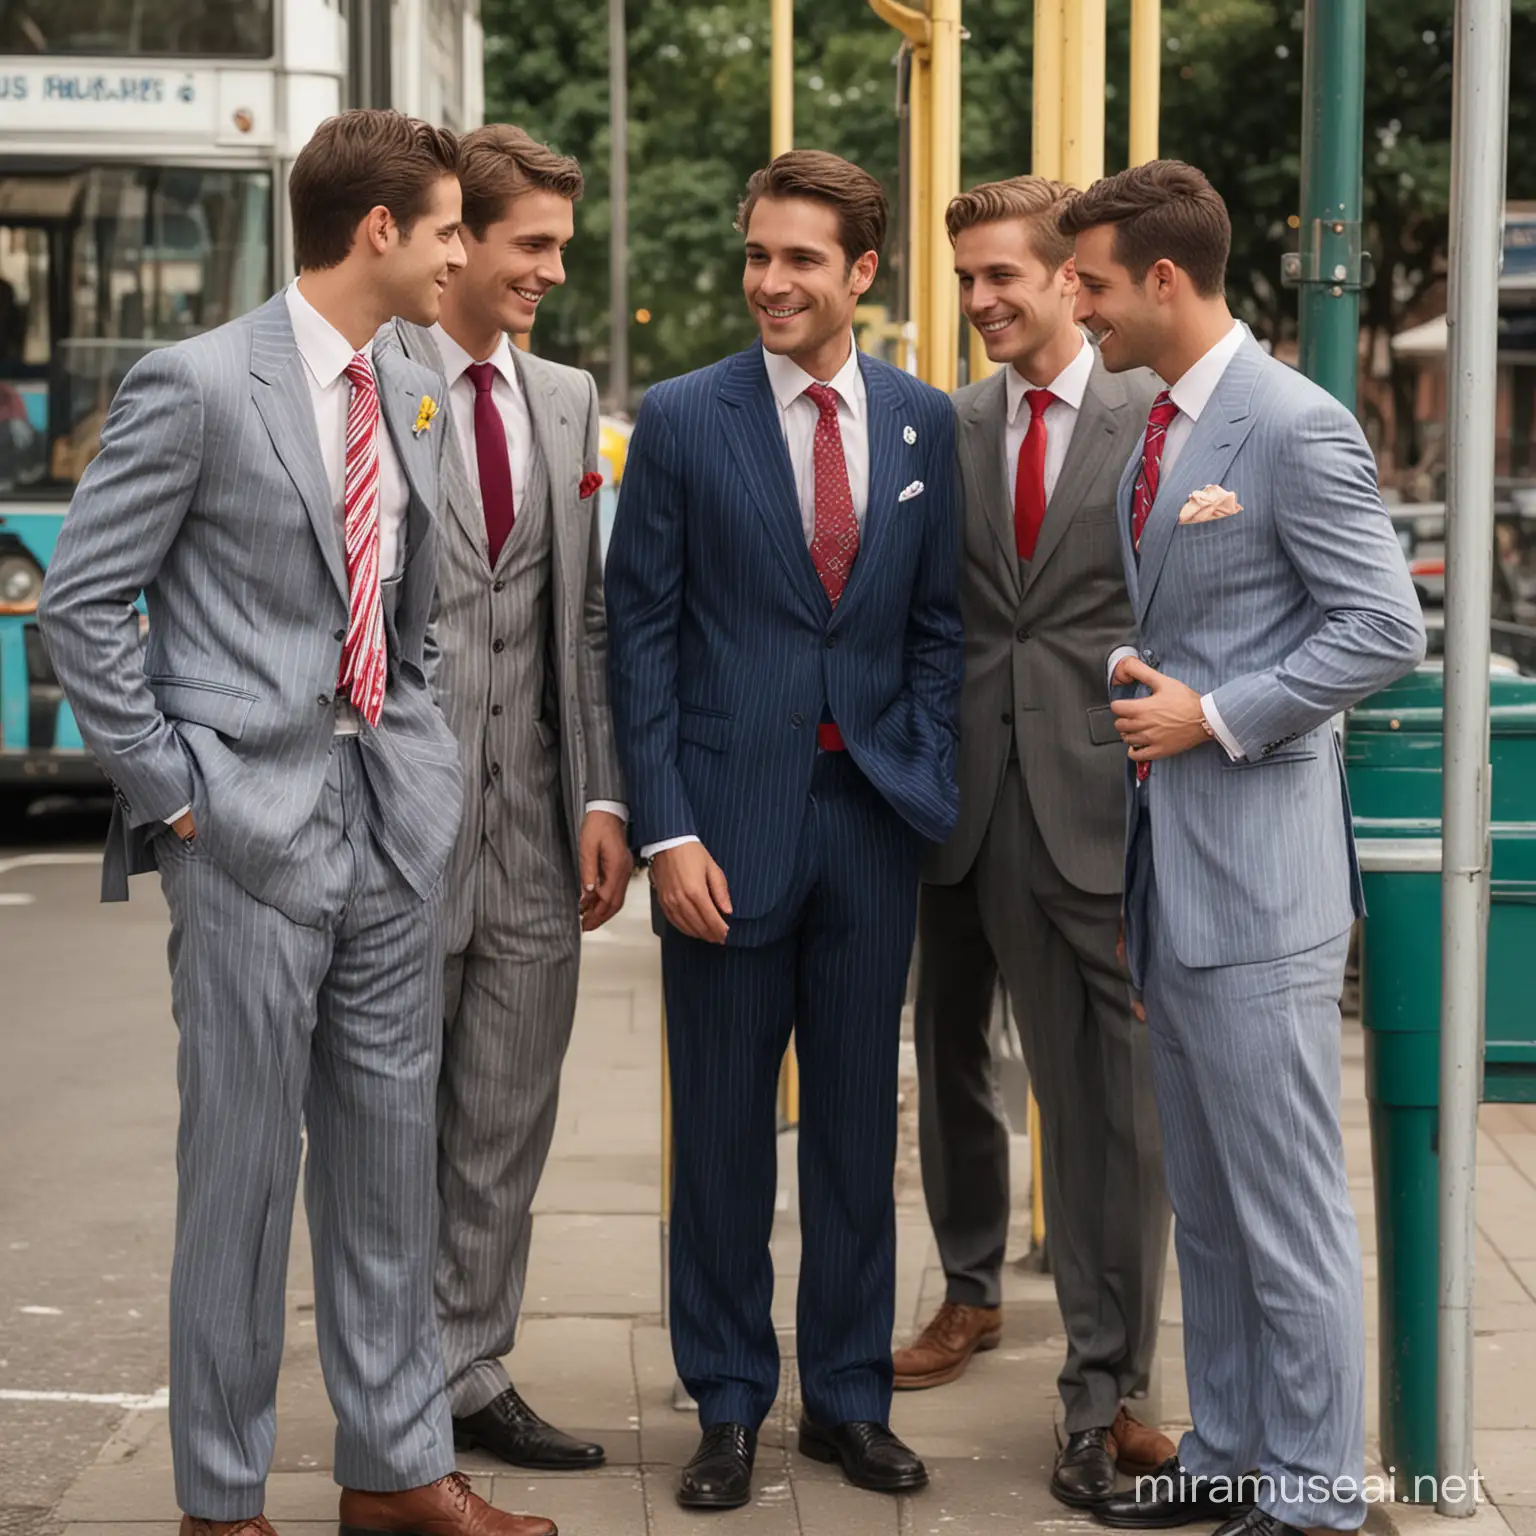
[1035, 201]
[1164, 209]
[361, 160]
[499, 163]
[813, 174]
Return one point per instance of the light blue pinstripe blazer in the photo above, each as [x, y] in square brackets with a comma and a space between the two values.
[723, 647]
[1291, 611]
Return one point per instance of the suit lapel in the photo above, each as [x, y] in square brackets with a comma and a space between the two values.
[1223, 425]
[984, 443]
[750, 420]
[556, 439]
[280, 389]
[888, 462]
[399, 401]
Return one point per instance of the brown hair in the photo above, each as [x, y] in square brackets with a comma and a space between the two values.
[1037, 202]
[498, 163]
[361, 160]
[1164, 209]
[853, 194]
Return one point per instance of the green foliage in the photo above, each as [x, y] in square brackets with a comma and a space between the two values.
[699, 127]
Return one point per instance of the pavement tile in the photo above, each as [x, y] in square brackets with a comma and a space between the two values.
[582, 1505]
[594, 1266]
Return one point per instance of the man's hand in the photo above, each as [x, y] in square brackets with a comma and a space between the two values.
[184, 827]
[606, 865]
[1170, 720]
[692, 890]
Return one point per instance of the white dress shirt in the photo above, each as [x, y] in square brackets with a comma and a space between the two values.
[1192, 393]
[512, 405]
[1069, 386]
[798, 415]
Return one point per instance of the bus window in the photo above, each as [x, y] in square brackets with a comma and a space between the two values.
[138, 28]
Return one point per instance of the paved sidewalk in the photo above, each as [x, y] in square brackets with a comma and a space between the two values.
[594, 1358]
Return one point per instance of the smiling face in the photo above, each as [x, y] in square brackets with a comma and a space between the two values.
[1018, 304]
[508, 274]
[418, 262]
[1131, 319]
[800, 284]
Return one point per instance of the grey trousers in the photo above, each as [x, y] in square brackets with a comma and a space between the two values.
[510, 1000]
[331, 1025]
[1105, 1210]
[1246, 1062]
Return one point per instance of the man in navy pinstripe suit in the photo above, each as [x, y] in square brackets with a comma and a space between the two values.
[785, 648]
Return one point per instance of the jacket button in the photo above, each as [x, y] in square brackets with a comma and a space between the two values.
[323, 700]
[797, 719]
[495, 709]
[495, 770]
[498, 586]
[1007, 717]
[831, 642]
[1021, 635]
[341, 634]
[498, 646]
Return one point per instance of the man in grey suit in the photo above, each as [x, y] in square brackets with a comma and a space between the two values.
[272, 487]
[1029, 882]
[522, 675]
[1270, 593]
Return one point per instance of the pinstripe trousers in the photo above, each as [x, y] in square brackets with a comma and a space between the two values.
[1245, 1062]
[329, 1023]
[831, 961]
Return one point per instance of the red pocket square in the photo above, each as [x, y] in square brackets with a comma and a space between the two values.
[591, 484]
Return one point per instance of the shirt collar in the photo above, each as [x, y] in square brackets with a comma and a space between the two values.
[456, 361]
[1193, 391]
[326, 352]
[1069, 386]
[789, 380]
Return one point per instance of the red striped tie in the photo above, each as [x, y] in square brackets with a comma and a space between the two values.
[363, 669]
[1163, 412]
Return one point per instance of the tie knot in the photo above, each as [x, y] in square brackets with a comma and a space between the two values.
[1040, 400]
[482, 376]
[360, 373]
[825, 398]
[1163, 410]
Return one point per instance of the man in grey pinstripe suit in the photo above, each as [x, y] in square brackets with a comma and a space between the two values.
[522, 674]
[1270, 593]
[272, 487]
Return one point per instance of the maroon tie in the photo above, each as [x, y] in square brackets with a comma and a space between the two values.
[1029, 480]
[1163, 412]
[835, 542]
[491, 456]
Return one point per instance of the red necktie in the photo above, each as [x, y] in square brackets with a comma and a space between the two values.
[493, 460]
[1029, 481]
[1163, 412]
[363, 660]
[835, 542]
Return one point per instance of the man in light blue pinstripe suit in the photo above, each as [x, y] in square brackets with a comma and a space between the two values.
[785, 645]
[1270, 593]
[273, 488]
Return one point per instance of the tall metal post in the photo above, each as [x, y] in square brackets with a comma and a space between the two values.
[781, 132]
[1480, 110]
[1332, 127]
[618, 204]
[943, 316]
[1146, 77]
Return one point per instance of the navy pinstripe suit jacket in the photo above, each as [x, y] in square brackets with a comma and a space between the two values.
[723, 646]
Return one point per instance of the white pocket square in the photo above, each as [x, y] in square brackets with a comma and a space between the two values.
[1209, 503]
[915, 489]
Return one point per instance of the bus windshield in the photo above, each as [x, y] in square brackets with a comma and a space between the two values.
[138, 28]
[97, 267]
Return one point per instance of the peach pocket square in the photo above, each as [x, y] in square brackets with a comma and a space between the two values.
[1206, 505]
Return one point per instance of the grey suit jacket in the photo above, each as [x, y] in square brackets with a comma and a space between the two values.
[563, 404]
[1034, 651]
[210, 496]
[1289, 612]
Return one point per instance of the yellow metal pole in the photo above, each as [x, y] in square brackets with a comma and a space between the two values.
[1146, 81]
[1047, 90]
[943, 311]
[919, 265]
[1082, 118]
[782, 129]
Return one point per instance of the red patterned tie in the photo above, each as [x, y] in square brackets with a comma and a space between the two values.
[363, 668]
[492, 459]
[1029, 480]
[1163, 412]
[835, 543]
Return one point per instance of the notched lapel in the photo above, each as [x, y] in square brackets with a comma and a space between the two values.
[892, 467]
[983, 440]
[400, 395]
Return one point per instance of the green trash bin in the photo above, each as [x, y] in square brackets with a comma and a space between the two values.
[1393, 756]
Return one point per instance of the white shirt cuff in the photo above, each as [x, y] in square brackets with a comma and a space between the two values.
[652, 849]
[171, 821]
[613, 807]
[1116, 656]
[1223, 735]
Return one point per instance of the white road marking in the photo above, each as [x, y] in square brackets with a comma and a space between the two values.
[40, 1311]
[138, 1401]
[33, 860]
[16, 898]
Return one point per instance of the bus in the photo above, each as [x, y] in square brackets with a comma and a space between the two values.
[144, 151]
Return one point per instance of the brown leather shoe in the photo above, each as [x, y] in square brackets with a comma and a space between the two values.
[944, 1348]
[1139, 1450]
[448, 1507]
[192, 1526]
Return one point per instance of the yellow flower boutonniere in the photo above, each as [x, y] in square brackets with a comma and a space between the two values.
[425, 414]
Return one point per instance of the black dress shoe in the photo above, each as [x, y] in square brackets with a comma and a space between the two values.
[720, 1474]
[870, 1455]
[507, 1427]
[1085, 1470]
[1256, 1522]
[1171, 1496]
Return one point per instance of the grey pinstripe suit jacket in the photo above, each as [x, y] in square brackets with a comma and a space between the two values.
[1293, 610]
[563, 404]
[210, 495]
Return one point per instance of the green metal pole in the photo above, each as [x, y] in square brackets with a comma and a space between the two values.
[1331, 265]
